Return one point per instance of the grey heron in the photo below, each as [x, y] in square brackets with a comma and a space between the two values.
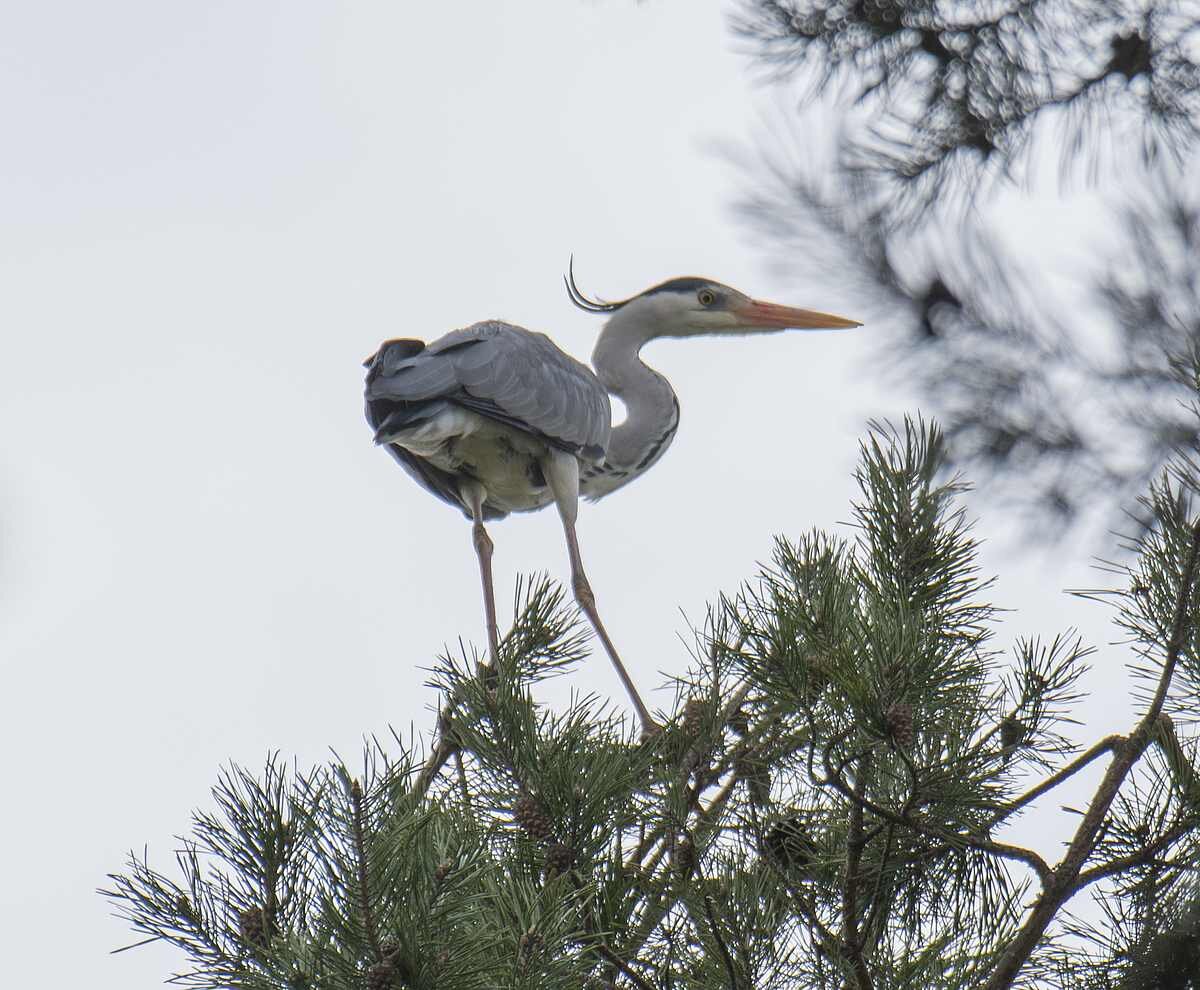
[495, 419]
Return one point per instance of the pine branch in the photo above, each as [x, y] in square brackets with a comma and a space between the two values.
[703, 781]
[851, 941]
[864, 859]
[1062, 883]
[656, 914]
[1172, 959]
[360, 853]
[602, 947]
[1144, 855]
[714, 930]
[1106, 745]
[952, 839]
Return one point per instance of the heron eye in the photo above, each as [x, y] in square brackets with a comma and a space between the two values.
[707, 297]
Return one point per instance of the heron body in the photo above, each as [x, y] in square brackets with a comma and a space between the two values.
[488, 403]
[495, 419]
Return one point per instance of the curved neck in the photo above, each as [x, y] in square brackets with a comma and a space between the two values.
[653, 410]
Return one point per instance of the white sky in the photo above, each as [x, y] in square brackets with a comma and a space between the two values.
[211, 213]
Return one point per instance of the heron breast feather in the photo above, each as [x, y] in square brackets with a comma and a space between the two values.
[507, 461]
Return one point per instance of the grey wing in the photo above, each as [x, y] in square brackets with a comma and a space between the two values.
[506, 373]
[391, 357]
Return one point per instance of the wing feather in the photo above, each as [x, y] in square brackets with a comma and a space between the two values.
[506, 372]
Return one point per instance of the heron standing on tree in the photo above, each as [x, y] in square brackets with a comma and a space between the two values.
[495, 419]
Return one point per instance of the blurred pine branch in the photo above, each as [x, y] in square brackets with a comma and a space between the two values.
[923, 130]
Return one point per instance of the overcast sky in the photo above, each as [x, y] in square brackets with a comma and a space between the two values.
[211, 213]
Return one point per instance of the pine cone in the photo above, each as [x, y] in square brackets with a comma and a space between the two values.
[787, 843]
[559, 858]
[694, 712]
[683, 856]
[1012, 734]
[754, 771]
[528, 814]
[381, 976]
[899, 722]
[442, 871]
[254, 926]
[816, 676]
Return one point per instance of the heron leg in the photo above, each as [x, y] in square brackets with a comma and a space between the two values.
[562, 474]
[474, 494]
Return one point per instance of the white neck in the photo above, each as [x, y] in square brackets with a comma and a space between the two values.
[653, 411]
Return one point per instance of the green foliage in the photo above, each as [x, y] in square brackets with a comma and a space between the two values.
[825, 807]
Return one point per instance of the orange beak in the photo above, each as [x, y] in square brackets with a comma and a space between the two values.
[764, 314]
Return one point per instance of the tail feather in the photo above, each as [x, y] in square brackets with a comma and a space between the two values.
[391, 419]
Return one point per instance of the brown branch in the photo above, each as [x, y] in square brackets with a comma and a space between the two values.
[952, 839]
[656, 914]
[726, 958]
[443, 749]
[1143, 856]
[1105, 745]
[851, 944]
[1063, 881]
[652, 838]
[360, 852]
[877, 894]
[602, 947]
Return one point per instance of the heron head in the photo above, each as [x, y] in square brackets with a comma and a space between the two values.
[692, 307]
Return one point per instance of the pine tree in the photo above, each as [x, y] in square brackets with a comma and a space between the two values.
[1062, 388]
[826, 807]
